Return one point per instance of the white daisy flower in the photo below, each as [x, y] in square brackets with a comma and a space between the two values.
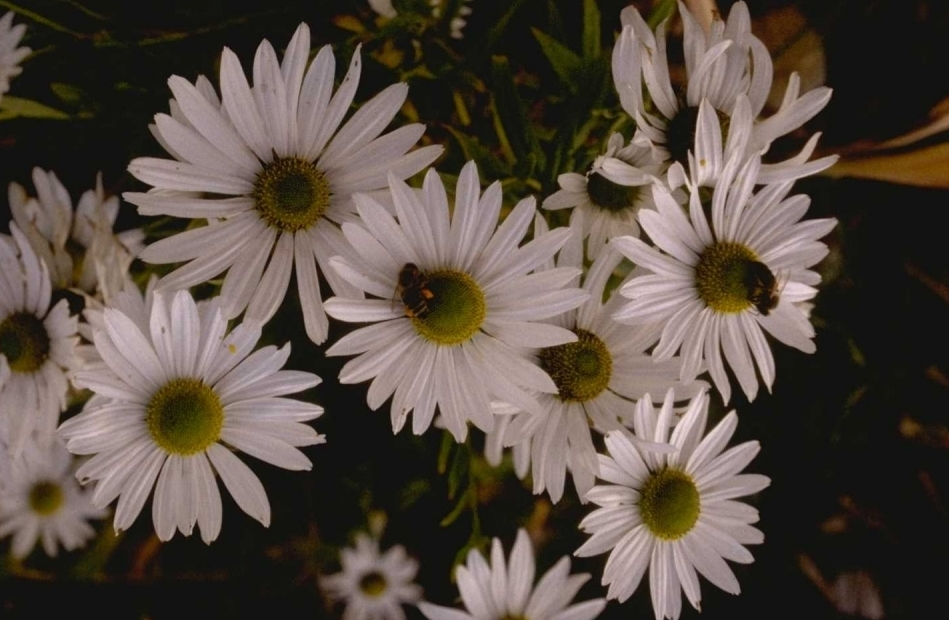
[504, 590]
[457, 21]
[721, 65]
[719, 285]
[469, 305]
[77, 245]
[175, 395]
[673, 512]
[37, 345]
[598, 378]
[854, 593]
[281, 170]
[41, 500]
[607, 198]
[10, 55]
[373, 585]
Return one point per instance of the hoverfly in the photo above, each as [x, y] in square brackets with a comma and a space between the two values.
[412, 289]
[762, 286]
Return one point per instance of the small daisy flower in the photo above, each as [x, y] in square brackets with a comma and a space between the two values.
[10, 55]
[373, 585]
[504, 590]
[281, 170]
[716, 286]
[721, 65]
[454, 304]
[176, 395]
[607, 198]
[77, 245]
[37, 345]
[673, 512]
[41, 500]
[598, 379]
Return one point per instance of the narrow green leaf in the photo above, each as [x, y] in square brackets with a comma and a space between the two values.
[592, 45]
[564, 61]
[662, 10]
[456, 512]
[512, 123]
[28, 108]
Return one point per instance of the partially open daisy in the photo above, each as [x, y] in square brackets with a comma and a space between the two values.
[454, 304]
[37, 345]
[10, 55]
[273, 172]
[41, 500]
[598, 379]
[78, 245]
[176, 395]
[720, 65]
[604, 203]
[504, 590]
[673, 512]
[373, 585]
[716, 286]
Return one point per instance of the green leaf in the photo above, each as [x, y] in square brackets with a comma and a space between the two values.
[663, 10]
[27, 108]
[562, 59]
[591, 30]
[490, 165]
[457, 511]
[511, 122]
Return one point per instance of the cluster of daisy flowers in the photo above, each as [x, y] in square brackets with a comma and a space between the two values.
[464, 314]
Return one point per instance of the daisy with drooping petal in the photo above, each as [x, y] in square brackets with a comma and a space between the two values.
[598, 378]
[10, 55]
[716, 286]
[37, 345]
[454, 304]
[504, 590]
[720, 65]
[607, 198]
[77, 245]
[673, 512]
[373, 585]
[41, 500]
[175, 395]
[281, 170]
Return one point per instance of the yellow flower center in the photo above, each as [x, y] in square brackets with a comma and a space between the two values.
[669, 503]
[291, 194]
[24, 341]
[581, 370]
[46, 497]
[184, 416]
[373, 584]
[455, 310]
[723, 276]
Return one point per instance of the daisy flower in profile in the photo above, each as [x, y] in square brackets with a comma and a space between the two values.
[607, 198]
[37, 345]
[717, 286]
[373, 585]
[41, 500]
[504, 590]
[673, 512]
[273, 172]
[78, 245]
[720, 65]
[598, 378]
[453, 303]
[176, 395]
[10, 55]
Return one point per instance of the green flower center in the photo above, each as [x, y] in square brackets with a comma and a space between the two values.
[581, 369]
[46, 497]
[669, 503]
[291, 194]
[681, 129]
[373, 583]
[456, 309]
[611, 196]
[724, 276]
[24, 341]
[184, 416]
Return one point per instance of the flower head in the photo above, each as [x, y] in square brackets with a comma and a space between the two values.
[673, 511]
[175, 395]
[504, 590]
[454, 304]
[281, 172]
[373, 585]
